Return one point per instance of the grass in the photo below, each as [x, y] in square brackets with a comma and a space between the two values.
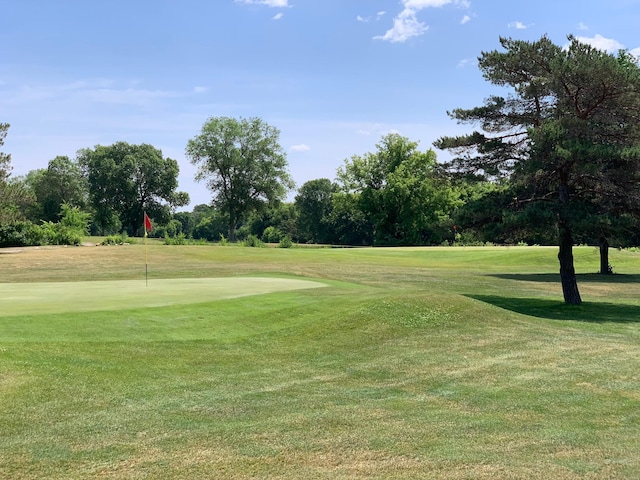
[408, 363]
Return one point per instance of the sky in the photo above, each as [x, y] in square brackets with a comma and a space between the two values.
[334, 76]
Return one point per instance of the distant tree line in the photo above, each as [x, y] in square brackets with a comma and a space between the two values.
[555, 162]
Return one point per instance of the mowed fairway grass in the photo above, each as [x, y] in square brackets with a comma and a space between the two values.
[394, 363]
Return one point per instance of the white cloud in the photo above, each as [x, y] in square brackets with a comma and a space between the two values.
[278, 16]
[404, 27]
[381, 13]
[465, 19]
[268, 3]
[518, 25]
[582, 26]
[362, 19]
[300, 148]
[601, 43]
[609, 45]
[406, 24]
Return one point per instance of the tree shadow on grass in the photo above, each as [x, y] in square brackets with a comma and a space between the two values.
[557, 310]
[582, 278]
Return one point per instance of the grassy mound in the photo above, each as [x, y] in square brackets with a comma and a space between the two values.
[409, 363]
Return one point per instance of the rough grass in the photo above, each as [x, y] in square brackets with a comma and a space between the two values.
[410, 363]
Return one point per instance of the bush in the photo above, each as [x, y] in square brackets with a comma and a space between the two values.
[272, 235]
[73, 225]
[120, 239]
[20, 234]
[253, 241]
[180, 239]
[285, 242]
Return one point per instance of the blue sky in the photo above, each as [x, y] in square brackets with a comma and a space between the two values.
[333, 75]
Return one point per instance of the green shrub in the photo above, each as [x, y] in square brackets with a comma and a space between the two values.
[253, 241]
[20, 234]
[285, 242]
[179, 239]
[272, 235]
[119, 239]
[73, 225]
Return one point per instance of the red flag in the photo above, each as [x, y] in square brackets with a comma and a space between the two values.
[147, 223]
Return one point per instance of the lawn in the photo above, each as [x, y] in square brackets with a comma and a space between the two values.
[233, 362]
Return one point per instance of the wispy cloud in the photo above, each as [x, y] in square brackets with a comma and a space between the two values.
[465, 19]
[379, 15]
[518, 25]
[300, 148]
[466, 62]
[582, 26]
[407, 25]
[99, 91]
[278, 16]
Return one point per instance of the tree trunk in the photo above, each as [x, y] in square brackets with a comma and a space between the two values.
[604, 257]
[565, 253]
[567, 271]
[232, 226]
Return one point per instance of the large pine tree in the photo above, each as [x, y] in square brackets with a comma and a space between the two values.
[569, 130]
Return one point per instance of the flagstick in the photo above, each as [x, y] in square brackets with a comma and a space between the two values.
[146, 260]
[146, 223]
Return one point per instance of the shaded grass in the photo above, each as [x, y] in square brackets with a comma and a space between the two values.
[423, 367]
[598, 312]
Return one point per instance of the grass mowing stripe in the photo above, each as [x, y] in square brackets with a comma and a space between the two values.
[441, 364]
[222, 320]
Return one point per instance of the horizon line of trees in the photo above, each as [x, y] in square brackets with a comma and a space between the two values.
[555, 162]
[395, 196]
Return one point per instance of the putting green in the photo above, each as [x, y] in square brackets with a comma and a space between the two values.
[58, 297]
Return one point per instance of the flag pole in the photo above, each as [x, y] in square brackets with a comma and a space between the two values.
[146, 259]
[147, 228]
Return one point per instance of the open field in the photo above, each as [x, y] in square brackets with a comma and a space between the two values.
[406, 363]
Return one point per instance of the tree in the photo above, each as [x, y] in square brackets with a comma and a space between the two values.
[60, 183]
[5, 158]
[15, 197]
[567, 133]
[243, 165]
[314, 203]
[400, 192]
[280, 217]
[349, 224]
[126, 180]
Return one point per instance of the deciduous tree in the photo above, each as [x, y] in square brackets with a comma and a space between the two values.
[126, 180]
[400, 192]
[5, 158]
[242, 164]
[60, 183]
[314, 204]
